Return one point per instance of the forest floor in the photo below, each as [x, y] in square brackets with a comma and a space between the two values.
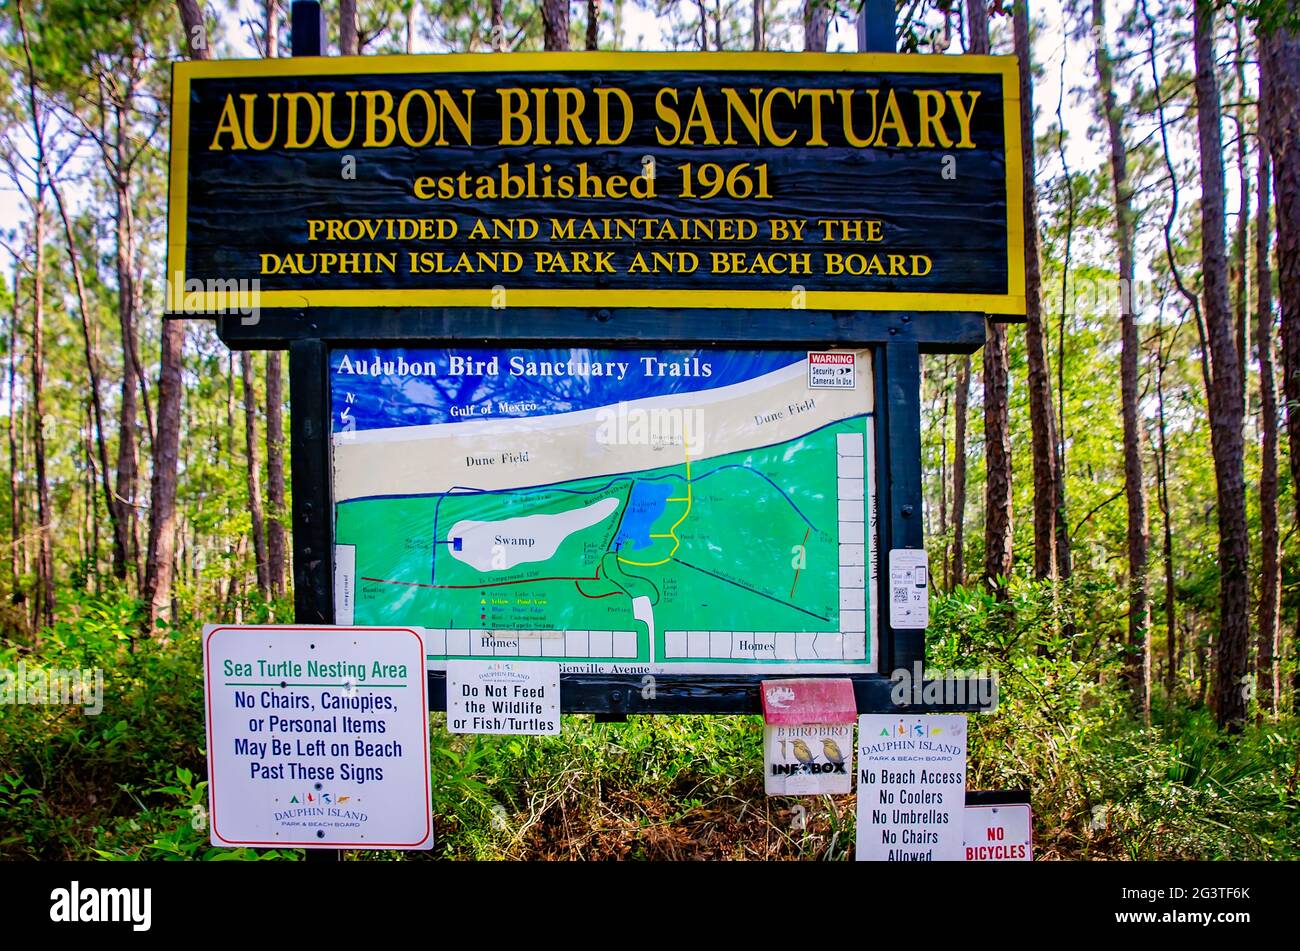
[128, 784]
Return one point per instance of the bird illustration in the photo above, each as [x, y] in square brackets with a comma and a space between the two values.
[831, 750]
[801, 752]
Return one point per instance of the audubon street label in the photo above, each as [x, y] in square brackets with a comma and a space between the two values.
[317, 737]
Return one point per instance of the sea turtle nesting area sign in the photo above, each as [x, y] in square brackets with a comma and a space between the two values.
[606, 360]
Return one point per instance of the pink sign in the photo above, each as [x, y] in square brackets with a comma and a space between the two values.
[808, 700]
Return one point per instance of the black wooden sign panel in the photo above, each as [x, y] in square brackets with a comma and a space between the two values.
[871, 181]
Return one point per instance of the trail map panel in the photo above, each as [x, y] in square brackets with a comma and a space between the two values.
[618, 511]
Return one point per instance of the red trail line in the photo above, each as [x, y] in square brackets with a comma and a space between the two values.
[489, 584]
[595, 597]
[803, 553]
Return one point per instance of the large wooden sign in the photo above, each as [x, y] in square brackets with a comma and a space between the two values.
[717, 180]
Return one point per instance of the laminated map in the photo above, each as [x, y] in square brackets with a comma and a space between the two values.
[615, 510]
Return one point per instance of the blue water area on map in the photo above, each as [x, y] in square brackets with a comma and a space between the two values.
[378, 389]
[645, 504]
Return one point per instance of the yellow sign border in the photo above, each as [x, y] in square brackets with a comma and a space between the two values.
[1011, 303]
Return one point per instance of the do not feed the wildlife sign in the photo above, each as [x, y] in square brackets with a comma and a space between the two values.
[736, 180]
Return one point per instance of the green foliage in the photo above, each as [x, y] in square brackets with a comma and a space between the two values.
[1103, 785]
[126, 784]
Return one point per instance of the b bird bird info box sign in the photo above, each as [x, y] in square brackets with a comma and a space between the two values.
[713, 180]
[808, 736]
[318, 737]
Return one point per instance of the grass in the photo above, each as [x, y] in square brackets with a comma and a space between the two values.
[128, 784]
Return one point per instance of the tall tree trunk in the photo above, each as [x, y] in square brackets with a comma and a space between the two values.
[348, 39]
[44, 613]
[128, 460]
[276, 542]
[1270, 582]
[593, 24]
[816, 22]
[272, 28]
[1241, 238]
[1041, 416]
[997, 427]
[1280, 76]
[254, 475]
[116, 516]
[1225, 403]
[156, 592]
[15, 487]
[1173, 654]
[128, 456]
[977, 25]
[162, 486]
[1139, 627]
[25, 493]
[276, 546]
[997, 461]
[759, 26]
[43, 609]
[961, 402]
[555, 24]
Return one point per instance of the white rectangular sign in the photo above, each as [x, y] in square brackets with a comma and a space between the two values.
[1001, 833]
[911, 787]
[318, 737]
[503, 696]
[809, 760]
[831, 370]
[909, 589]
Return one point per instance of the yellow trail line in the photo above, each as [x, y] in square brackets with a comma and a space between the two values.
[672, 532]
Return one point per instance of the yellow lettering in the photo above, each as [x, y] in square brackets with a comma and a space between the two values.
[327, 120]
[228, 123]
[931, 106]
[514, 109]
[894, 120]
[699, 119]
[846, 103]
[815, 96]
[963, 116]
[250, 99]
[447, 109]
[667, 115]
[602, 96]
[572, 102]
[430, 118]
[375, 116]
[768, 126]
[737, 108]
[291, 140]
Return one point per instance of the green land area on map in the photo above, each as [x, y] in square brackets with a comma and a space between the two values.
[749, 544]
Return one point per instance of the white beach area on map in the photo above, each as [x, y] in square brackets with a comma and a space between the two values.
[433, 459]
